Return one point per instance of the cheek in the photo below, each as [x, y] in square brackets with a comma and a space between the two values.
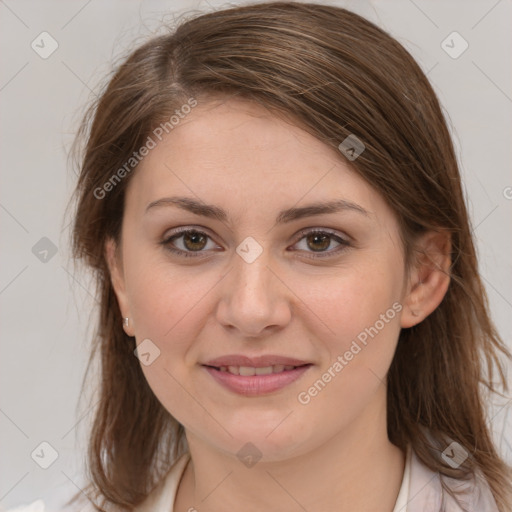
[357, 300]
[362, 310]
[158, 293]
[169, 309]
[168, 304]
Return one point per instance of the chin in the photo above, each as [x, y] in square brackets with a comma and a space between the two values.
[269, 441]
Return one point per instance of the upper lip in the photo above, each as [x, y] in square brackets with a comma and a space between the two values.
[254, 362]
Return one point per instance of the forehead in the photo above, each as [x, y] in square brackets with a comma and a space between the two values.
[239, 154]
[236, 128]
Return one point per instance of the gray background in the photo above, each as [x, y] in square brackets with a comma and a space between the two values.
[45, 304]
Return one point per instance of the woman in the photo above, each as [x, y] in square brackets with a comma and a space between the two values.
[291, 310]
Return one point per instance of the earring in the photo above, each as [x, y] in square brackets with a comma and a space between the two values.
[126, 321]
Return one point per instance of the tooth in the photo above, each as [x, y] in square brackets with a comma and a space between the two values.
[266, 370]
[247, 371]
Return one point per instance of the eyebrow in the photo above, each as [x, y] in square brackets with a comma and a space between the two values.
[284, 216]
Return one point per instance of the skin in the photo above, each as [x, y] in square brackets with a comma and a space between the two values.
[318, 456]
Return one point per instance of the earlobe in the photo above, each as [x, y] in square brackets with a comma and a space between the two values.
[114, 263]
[429, 277]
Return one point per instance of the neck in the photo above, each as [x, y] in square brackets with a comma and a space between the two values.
[336, 475]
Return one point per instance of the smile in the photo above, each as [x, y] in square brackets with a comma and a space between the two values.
[254, 381]
[247, 371]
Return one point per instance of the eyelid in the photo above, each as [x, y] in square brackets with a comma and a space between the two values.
[328, 231]
[297, 236]
[183, 230]
[343, 240]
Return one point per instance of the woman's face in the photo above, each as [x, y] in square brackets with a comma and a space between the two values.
[254, 281]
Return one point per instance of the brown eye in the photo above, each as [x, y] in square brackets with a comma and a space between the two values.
[187, 242]
[194, 240]
[318, 241]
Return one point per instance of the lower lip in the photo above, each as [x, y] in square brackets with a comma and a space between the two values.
[255, 385]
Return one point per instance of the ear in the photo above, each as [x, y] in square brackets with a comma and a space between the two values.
[429, 277]
[115, 266]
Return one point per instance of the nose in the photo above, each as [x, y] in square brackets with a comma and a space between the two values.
[254, 299]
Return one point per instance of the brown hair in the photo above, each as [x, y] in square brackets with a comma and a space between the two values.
[335, 74]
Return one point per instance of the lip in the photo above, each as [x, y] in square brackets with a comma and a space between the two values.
[255, 385]
[255, 362]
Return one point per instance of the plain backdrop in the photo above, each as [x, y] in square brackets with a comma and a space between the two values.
[46, 305]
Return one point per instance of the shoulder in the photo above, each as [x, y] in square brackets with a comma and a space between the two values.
[41, 506]
[161, 497]
[35, 506]
[430, 491]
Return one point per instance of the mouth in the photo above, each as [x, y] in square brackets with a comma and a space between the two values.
[249, 371]
[257, 376]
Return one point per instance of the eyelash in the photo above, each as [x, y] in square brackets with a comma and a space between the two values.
[190, 254]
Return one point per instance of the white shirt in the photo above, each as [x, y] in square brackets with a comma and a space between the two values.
[165, 500]
[403, 494]
[420, 491]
